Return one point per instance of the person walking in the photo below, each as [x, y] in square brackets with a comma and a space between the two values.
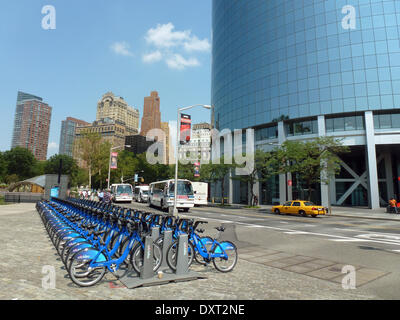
[101, 195]
[393, 205]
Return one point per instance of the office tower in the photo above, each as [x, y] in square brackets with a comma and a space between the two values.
[32, 124]
[151, 113]
[116, 108]
[166, 143]
[110, 130]
[67, 135]
[294, 70]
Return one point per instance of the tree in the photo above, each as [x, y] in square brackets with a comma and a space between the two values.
[3, 167]
[217, 173]
[94, 152]
[313, 161]
[52, 165]
[69, 166]
[20, 161]
[265, 166]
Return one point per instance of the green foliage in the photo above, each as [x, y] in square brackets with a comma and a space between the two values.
[312, 161]
[265, 166]
[20, 162]
[95, 153]
[216, 173]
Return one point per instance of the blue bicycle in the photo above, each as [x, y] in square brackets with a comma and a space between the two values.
[222, 254]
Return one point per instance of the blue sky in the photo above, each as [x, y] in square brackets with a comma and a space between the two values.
[129, 47]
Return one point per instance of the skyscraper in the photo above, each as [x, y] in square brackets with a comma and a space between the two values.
[151, 113]
[116, 108]
[295, 70]
[166, 142]
[32, 124]
[67, 135]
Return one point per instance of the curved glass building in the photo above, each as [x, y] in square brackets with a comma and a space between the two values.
[297, 69]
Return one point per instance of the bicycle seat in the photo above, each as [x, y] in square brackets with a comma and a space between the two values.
[221, 229]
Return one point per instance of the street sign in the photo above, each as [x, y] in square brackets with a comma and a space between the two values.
[136, 177]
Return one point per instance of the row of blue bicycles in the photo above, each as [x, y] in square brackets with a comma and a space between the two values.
[93, 238]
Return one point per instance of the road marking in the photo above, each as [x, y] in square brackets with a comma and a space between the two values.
[296, 232]
[349, 240]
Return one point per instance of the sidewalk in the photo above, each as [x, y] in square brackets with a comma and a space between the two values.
[351, 212]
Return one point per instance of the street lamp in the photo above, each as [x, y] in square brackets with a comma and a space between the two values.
[109, 163]
[175, 211]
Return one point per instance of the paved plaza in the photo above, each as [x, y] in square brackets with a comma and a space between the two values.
[260, 273]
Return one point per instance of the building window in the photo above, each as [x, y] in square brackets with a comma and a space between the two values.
[387, 121]
[266, 133]
[299, 128]
[348, 123]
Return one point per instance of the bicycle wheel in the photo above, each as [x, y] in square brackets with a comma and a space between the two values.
[225, 264]
[206, 242]
[137, 254]
[80, 272]
[172, 255]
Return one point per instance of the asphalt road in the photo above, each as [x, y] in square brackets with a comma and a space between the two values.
[371, 246]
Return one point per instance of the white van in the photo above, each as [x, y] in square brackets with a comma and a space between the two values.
[141, 194]
[122, 192]
[200, 190]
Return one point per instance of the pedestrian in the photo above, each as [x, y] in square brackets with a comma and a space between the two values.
[255, 200]
[107, 196]
[101, 195]
[393, 205]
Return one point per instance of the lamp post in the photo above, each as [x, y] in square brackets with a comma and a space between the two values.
[109, 163]
[175, 210]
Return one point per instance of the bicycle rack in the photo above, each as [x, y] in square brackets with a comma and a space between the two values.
[147, 277]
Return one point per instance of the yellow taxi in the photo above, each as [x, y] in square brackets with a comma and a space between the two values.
[301, 207]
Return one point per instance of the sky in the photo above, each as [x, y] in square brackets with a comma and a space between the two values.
[87, 48]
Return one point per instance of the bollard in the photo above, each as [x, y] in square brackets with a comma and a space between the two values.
[155, 233]
[182, 255]
[146, 270]
[167, 240]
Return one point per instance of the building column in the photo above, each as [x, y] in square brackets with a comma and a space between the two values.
[389, 175]
[373, 187]
[324, 186]
[282, 177]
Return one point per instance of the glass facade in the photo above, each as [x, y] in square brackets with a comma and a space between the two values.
[288, 59]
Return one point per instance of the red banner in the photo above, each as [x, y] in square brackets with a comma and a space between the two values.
[113, 162]
[186, 122]
[197, 169]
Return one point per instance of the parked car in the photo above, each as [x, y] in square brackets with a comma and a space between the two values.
[301, 207]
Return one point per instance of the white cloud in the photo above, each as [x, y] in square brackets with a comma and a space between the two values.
[121, 48]
[176, 61]
[152, 57]
[164, 36]
[195, 44]
[53, 145]
[170, 45]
